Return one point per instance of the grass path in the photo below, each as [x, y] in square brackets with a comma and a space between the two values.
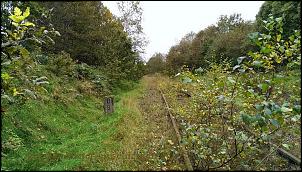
[77, 135]
[144, 134]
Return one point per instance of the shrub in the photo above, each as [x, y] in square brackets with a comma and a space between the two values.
[61, 64]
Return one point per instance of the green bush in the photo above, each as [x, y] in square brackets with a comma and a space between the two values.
[61, 64]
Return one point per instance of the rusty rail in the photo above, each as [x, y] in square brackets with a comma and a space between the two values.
[290, 157]
[184, 151]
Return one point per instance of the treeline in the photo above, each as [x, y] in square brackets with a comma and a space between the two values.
[86, 31]
[225, 41]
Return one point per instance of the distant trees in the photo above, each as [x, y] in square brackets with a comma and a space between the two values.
[231, 41]
[229, 38]
[156, 63]
[289, 10]
[225, 41]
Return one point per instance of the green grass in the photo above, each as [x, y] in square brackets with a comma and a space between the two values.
[73, 136]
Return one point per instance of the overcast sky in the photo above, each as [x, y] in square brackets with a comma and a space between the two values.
[166, 22]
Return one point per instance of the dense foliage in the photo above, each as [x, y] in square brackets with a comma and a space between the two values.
[91, 34]
[156, 64]
[223, 42]
[237, 116]
[57, 52]
[236, 92]
[289, 10]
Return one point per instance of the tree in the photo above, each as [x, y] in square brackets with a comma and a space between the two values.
[131, 18]
[224, 42]
[93, 35]
[228, 23]
[16, 60]
[289, 10]
[156, 63]
[79, 25]
[228, 46]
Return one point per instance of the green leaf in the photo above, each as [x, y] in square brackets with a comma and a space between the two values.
[279, 19]
[10, 99]
[36, 41]
[297, 108]
[231, 80]
[285, 109]
[281, 49]
[236, 67]
[295, 118]
[265, 50]
[186, 80]
[265, 103]
[220, 97]
[286, 146]
[6, 62]
[17, 17]
[251, 91]
[267, 111]
[278, 37]
[11, 49]
[15, 92]
[274, 122]
[259, 106]
[220, 84]
[240, 59]
[288, 53]
[246, 118]
[24, 52]
[280, 119]
[257, 63]
[253, 36]
[261, 120]
[31, 93]
[292, 38]
[263, 87]
[244, 137]
[241, 70]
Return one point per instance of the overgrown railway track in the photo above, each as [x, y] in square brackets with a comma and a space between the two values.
[183, 150]
[281, 152]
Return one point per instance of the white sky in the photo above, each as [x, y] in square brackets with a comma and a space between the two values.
[166, 22]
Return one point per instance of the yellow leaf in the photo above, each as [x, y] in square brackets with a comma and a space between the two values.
[28, 24]
[16, 18]
[15, 92]
[24, 52]
[278, 59]
[5, 76]
[170, 142]
[26, 12]
[17, 11]
[278, 37]
[15, 24]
